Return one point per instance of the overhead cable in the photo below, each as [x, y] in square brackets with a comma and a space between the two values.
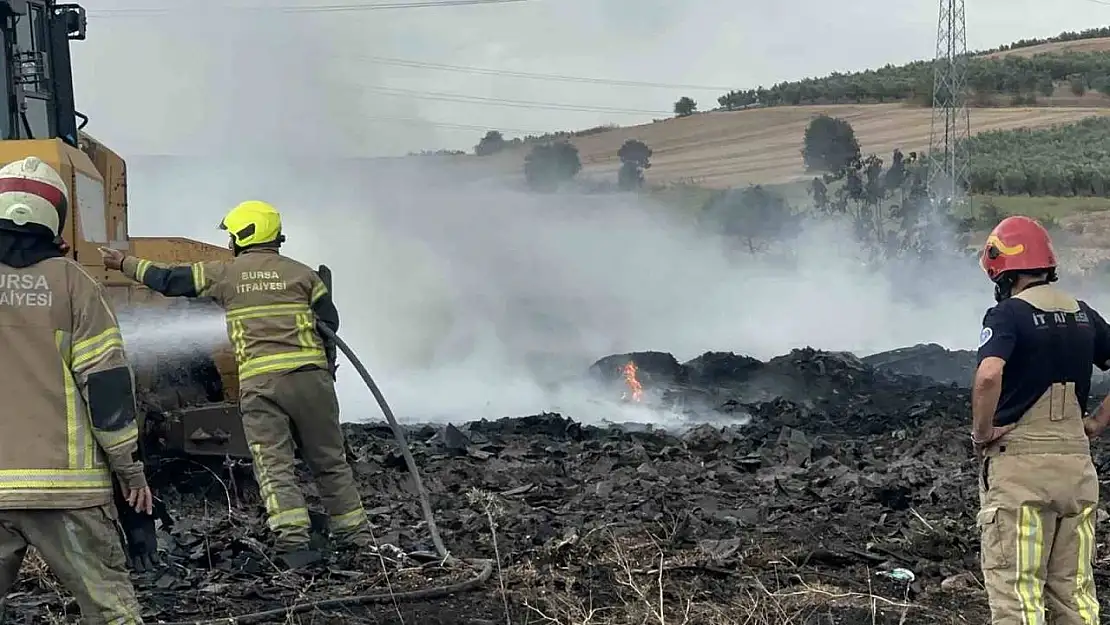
[384, 60]
[530, 104]
[322, 8]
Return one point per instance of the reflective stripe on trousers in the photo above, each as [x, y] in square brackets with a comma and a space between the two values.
[276, 517]
[1038, 495]
[1029, 571]
[349, 522]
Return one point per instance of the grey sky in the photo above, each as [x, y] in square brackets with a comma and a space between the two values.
[206, 79]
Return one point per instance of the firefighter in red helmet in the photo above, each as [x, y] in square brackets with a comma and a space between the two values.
[1038, 490]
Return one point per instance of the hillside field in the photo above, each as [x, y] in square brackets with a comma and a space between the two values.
[723, 149]
[1101, 44]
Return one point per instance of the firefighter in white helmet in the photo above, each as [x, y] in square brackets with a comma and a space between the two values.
[69, 422]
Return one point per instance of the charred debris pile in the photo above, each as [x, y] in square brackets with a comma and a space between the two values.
[828, 488]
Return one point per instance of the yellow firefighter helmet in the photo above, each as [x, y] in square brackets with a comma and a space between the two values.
[253, 223]
[32, 193]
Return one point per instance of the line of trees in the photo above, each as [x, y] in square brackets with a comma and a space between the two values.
[1023, 79]
[549, 165]
[886, 203]
[1066, 160]
[1061, 161]
[1067, 35]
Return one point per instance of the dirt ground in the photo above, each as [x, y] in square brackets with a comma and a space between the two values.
[829, 490]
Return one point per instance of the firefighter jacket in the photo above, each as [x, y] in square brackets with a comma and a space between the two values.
[70, 416]
[272, 304]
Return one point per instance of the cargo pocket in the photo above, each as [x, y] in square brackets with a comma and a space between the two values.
[996, 542]
[113, 540]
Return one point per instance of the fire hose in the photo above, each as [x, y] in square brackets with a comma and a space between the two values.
[484, 568]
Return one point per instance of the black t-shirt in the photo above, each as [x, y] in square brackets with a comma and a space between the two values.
[1042, 348]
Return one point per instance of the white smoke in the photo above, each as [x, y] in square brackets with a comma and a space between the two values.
[471, 300]
[474, 300]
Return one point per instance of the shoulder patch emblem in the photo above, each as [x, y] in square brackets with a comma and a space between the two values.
[985, 336]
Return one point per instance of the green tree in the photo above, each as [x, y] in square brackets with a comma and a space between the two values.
[755, 215]
[1045, 86]
[492, 143]
[829, 144]
[635, 157]
[1078, 85]
[685, 106]
[549, 165]
[887, 208]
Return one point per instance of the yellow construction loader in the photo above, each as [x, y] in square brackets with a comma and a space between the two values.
[188, 406]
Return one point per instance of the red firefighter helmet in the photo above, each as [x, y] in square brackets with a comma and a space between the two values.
[1017, 243]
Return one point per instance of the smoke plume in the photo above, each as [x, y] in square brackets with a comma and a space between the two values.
[472, 299]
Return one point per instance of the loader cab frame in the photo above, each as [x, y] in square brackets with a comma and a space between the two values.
[36, 74]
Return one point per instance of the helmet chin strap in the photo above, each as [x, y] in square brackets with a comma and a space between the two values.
[237, 250]
[1004, 285]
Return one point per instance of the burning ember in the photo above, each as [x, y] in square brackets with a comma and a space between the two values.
[635, 389]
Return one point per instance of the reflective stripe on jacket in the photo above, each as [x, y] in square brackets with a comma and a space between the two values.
[269, 302]
[57, 331]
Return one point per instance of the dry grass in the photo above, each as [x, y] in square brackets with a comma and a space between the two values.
[649, 594]
[639, 579]
[1082, 45]
[36, 572]
[726, 149]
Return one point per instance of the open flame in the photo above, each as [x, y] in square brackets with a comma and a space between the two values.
[635, 389]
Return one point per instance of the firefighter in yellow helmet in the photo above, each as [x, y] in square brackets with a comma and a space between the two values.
[286, 371]
[69, 422]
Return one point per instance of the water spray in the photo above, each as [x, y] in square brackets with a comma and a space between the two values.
[198, 328]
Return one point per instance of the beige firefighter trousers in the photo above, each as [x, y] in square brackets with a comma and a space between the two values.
[304, 400]
[84, 551]
[1038, 493]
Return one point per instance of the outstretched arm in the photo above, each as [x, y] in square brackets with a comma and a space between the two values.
[174, 281]
[179, 281]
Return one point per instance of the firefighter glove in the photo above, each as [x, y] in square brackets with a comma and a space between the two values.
[333, 362]
[138, 531]
[142, 539]
[331, 349]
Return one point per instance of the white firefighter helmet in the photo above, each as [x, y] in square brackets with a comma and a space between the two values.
[32, 193]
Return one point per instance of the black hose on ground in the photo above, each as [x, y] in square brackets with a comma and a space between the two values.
[325, 276]
[484, 567]
[398, 433]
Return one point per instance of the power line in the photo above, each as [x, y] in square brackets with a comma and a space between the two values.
[327, 8]
[451, 126]
[384, 60]
[472, 99]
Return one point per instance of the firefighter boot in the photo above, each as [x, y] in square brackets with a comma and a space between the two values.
[296, 559]
[359, 539]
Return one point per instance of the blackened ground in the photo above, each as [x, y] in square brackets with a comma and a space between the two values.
[848, 498]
